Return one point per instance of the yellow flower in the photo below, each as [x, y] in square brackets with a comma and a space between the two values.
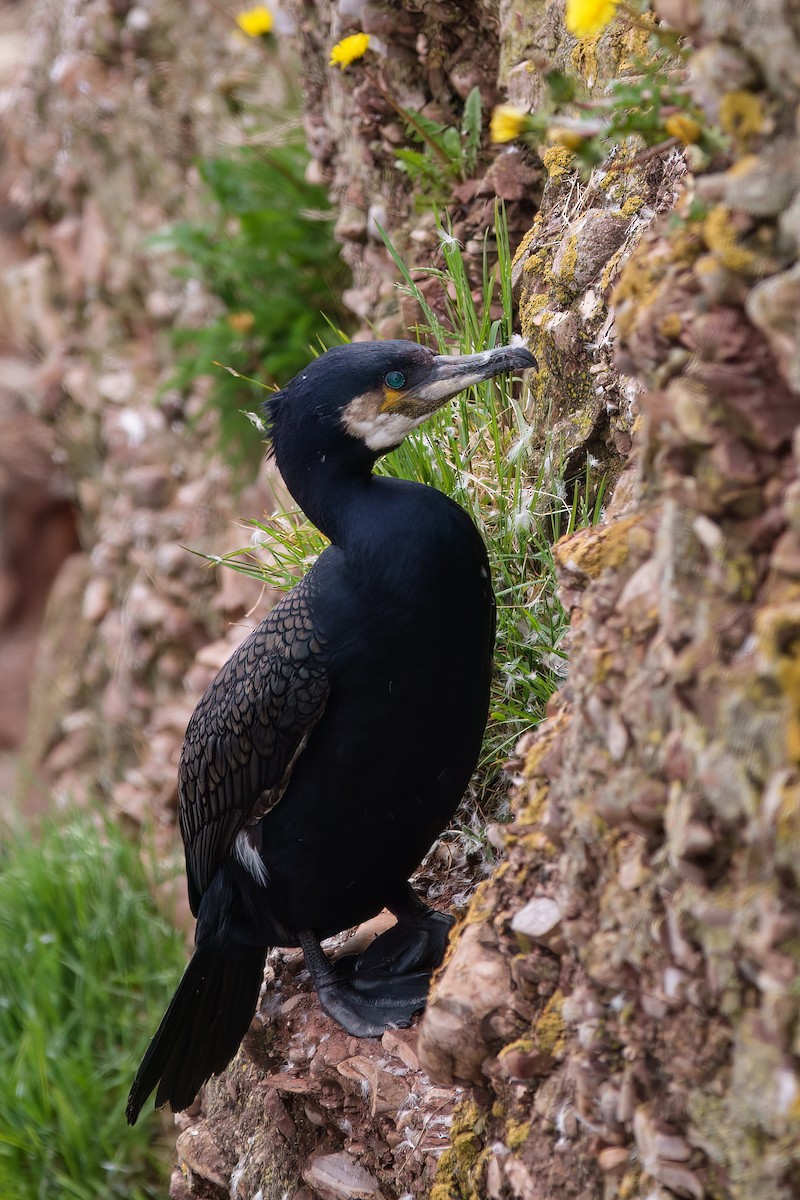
[684, 128]
[241, 322]
[255, 21]
[585, 18]
[348, 50]
[507, 123]
[571, 138]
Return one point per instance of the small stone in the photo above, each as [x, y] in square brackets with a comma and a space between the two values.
[400, 1044]
[296, 1085]
[277, 1115]
[117, 386]
[97, 599]
[197, 1148]
[538, 919]
[340, 1177]
[387, 1092]
[150, 487]
[613, 1158]
[464, 999]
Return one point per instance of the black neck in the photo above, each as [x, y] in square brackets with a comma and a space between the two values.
[328, 491]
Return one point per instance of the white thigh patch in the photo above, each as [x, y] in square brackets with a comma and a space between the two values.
[250, 859]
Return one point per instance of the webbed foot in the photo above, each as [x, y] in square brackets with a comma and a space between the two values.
[387, 984]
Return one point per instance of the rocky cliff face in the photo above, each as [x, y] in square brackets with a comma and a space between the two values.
[618, 1015]
[639, 1036]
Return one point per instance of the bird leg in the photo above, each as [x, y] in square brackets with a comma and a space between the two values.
[385, 985]
[377, 1003]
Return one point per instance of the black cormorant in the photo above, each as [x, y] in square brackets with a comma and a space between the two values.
[336, 743]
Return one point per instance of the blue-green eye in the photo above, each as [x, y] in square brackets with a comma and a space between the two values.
[395, 380]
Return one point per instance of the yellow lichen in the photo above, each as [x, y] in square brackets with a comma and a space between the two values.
[741, 114]
[592, 550]
[530, 813]
[631, 206]
[549, 1030]
[459, 1166]
[634, 290]
[516, 1134]
[720, 237]
[538, 844]
[529, 308]
[523, 1045]
[524, 244]
[480, 905]
[569, 260]
[671, 326]
[557, 161]
[583, 60]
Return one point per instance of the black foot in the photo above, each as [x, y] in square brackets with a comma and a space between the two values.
[387, 984]
[416, 943]
[371, 1004]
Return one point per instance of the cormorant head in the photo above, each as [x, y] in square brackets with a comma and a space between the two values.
[358, 401]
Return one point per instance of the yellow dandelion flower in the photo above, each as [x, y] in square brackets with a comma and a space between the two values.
[241, 322]
[507, 123]
[571, 138]
[585, 18]
[348, 50]
[684, 128]
[255, 22]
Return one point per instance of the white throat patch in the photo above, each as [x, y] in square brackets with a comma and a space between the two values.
[363, 419]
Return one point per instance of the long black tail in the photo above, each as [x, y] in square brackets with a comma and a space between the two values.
[206, 1020]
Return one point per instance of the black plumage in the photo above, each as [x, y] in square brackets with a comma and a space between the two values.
[336, 743]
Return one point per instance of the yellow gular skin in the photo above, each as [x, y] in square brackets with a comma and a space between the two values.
[391, 399]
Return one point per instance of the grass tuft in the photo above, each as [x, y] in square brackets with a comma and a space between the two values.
[485, 450]
[85, 965]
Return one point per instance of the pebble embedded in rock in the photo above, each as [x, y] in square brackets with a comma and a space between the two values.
[538, 919]
[339, 1177]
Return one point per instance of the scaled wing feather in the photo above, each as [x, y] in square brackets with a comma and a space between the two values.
[247, 731]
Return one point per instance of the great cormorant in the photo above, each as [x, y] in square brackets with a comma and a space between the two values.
[336, 743]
